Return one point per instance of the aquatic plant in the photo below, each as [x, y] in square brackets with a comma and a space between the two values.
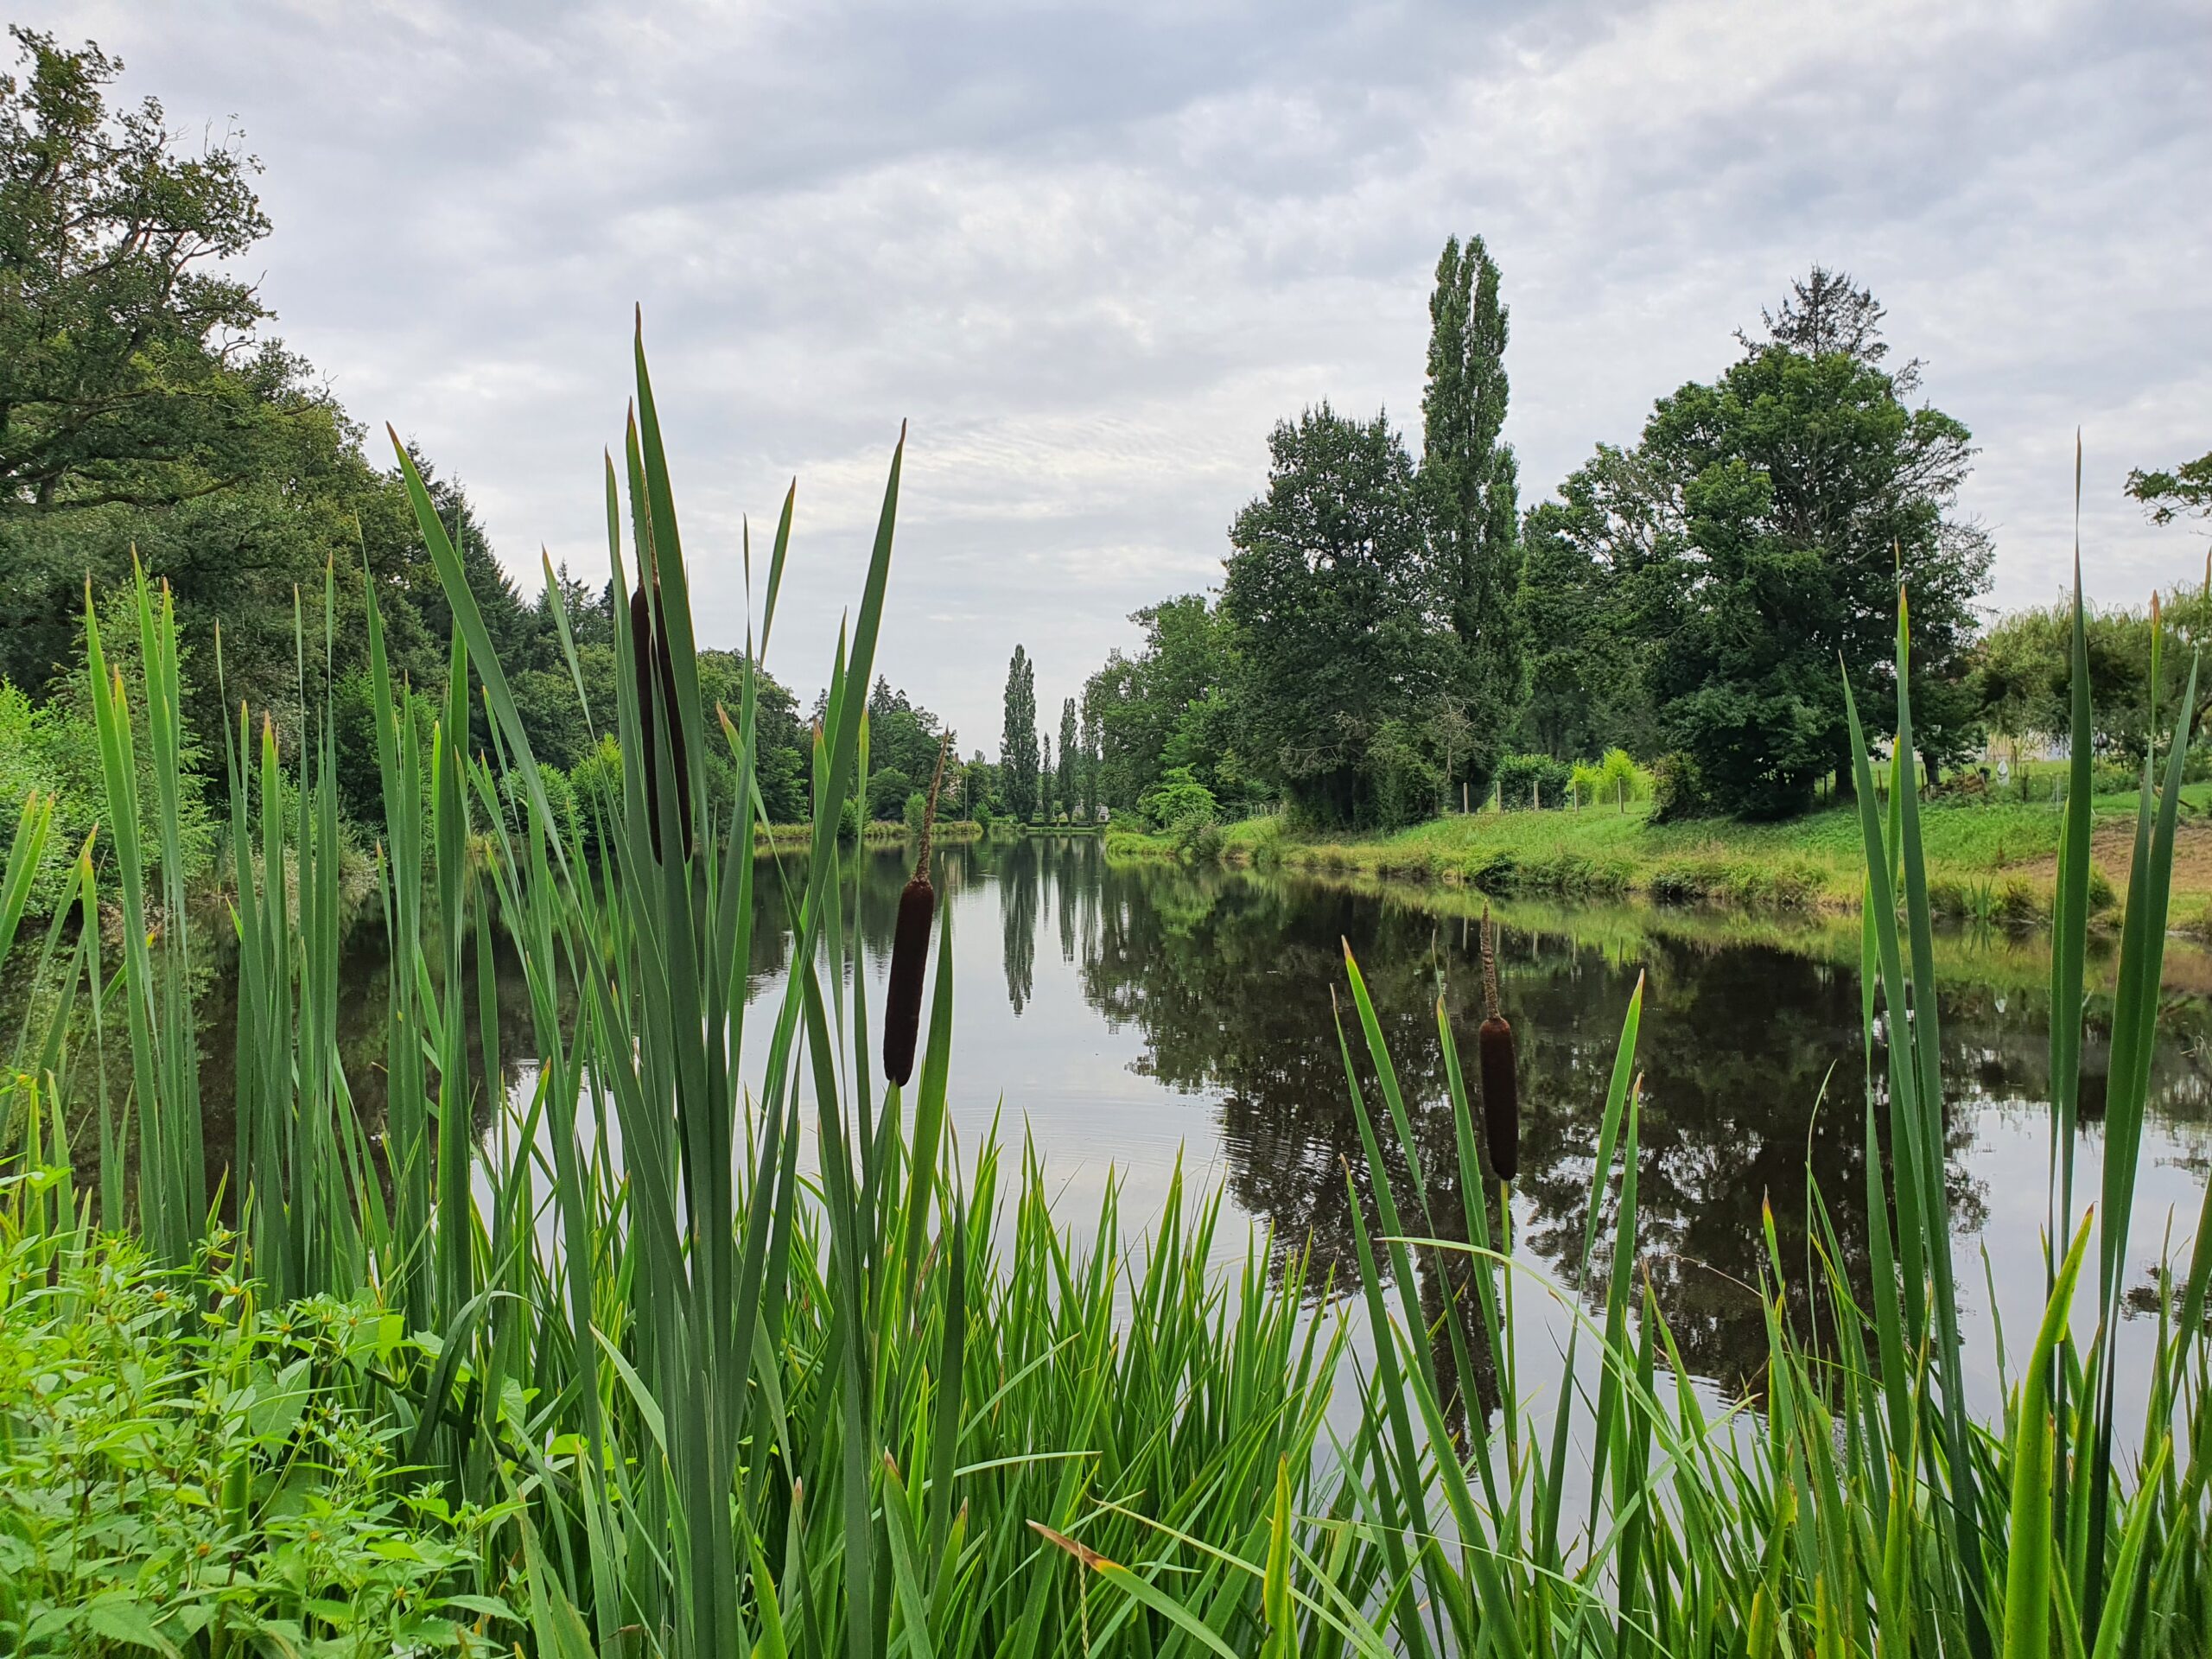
[693, 1396]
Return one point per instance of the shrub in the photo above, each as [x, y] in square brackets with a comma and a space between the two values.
[1678, 790]
[1520, 777]
[1175, 798]
[2102, 896]
[917, 809]
[127, 1415]
[1408, 785]
[1198, 838]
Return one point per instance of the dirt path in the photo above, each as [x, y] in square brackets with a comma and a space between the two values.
[2111, 845]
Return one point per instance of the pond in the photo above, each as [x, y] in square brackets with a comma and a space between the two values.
[1130, 1017]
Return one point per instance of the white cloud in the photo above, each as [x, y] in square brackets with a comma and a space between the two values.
[1091, 255]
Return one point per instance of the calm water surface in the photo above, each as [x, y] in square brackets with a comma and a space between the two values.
[1127, 1017]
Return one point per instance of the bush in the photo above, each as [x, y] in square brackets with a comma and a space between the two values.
[1408, 785]
[1175, 798]
[1521, 777]
[178, 1482]
[918, 807]
[1678, 790]
[982, 816]
[1198, 838]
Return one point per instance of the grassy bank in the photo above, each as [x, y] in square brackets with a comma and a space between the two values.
[668, 1385]
[1986, 861]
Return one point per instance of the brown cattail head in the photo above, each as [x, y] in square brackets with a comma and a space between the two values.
[641, 661]
[909, 948]
[1501, 1078]
[650, 652]
[679, 760]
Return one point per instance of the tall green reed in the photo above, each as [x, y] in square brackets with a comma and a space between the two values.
[871, 1397]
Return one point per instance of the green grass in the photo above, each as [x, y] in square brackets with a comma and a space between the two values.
[2003, 846]
[714, 1396]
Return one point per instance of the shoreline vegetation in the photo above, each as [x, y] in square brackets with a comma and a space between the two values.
[663, 1388]
[1988, 861]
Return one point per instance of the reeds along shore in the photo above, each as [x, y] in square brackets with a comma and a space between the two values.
[656, 1386]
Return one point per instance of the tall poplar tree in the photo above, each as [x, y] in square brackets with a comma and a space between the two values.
[1470, 493]
[1071, 754]
[1017, 764]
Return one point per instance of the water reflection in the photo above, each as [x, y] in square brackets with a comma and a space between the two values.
[1752, 1060]
[1194, 1010]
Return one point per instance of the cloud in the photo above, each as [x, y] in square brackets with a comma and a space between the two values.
[1091, 254]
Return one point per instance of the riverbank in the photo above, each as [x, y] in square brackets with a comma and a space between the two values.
[1988, 860]
[794, 838]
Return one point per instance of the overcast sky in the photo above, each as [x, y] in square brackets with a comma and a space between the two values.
[1092, 254]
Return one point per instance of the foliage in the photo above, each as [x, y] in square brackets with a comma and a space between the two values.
[1336, 599]
[1177, 797]
[2186, 492]
[887, 791]
[1593, 573]
[1469, 491]
[1019, 763]
[1403, 778]
[182, 1468]
[1525, 781]
[2023, 669]
[1621, 780]
[1678, 790]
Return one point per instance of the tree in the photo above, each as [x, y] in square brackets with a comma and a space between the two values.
[1092, 768]
[128, 370]
[1470, 491]
[1017, 767]
[1046, 779]
[1340, 611]
[1591, 615]
[1781, 506]
[2185, 492]
[1170, 705]
[2024, 667]
[1070, 759]
[887, 790]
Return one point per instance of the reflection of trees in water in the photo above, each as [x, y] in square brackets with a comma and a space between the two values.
[1751, 1059]
[1019, 895]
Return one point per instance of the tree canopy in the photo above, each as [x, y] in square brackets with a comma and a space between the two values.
[1341, 610]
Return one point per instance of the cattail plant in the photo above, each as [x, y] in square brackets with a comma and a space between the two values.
[1501, 1083]
[649, 650]
[910, 947]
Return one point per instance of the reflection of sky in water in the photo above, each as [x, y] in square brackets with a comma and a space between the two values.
[1121, 1017]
